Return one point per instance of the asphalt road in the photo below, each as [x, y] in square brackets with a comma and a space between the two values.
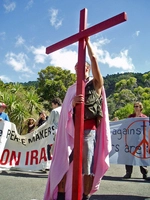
[18, 185]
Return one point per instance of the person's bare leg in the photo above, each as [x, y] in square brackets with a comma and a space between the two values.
[61, 185]
[61, 189]
[88, 182]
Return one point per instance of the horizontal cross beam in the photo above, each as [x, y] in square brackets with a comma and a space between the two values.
[88, 32]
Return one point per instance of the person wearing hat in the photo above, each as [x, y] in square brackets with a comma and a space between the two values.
[3, 115]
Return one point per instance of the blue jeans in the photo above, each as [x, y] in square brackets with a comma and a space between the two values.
[89, 142]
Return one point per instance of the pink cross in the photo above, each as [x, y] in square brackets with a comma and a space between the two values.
[79, 119]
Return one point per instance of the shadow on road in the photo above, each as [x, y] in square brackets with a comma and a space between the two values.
[117, 197]
[113, 178]
[38, 174]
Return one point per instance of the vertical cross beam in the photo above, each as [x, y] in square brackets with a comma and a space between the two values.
[79, 115]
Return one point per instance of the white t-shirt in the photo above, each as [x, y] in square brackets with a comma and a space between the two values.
[54, 116]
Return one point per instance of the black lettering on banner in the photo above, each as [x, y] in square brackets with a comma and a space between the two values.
[49, 130]
[30, 140]
[15, 138]
[1, 133]
[41, 134]
[126, 148]
[119, 132]
[147, 148]
[131, 131]
[23, 141]
[138, 150]
[130, 149]
[138, 131]
[8, 133]
[124, 131]
[46, 133]
[114, 132]
[116, 147]
[37, 137]
[12, 136]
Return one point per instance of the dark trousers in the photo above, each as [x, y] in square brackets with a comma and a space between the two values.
[129, 169]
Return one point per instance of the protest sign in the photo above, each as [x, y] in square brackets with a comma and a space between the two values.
[130, 141]
[26, 152]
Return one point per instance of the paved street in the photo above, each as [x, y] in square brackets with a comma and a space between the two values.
[17, 185]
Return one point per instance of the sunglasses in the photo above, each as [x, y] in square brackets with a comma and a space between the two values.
[136, 106]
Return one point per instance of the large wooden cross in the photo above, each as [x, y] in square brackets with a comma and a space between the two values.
[79, 119]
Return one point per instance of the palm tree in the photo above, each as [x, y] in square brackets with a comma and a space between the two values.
[18, 116]
[32, 100]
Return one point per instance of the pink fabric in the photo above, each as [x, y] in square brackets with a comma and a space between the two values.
[65, 143]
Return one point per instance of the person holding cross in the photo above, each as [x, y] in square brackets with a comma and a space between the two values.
[96, 137]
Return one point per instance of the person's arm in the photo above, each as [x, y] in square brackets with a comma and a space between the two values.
[77, 100]
[97, 77]
[51, 117]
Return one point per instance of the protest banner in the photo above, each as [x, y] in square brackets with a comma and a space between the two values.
[130, 140]
[25, 152]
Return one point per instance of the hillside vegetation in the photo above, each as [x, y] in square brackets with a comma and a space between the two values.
[25, 100]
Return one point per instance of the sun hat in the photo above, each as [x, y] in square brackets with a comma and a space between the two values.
[27, 120]
[31, 118]
[3, 105]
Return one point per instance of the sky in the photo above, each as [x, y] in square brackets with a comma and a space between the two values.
[27, 27]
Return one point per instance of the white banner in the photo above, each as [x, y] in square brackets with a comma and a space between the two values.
[25, 152]
[130, 141]
[32, 151]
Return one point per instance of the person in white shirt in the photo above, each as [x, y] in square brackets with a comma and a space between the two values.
[54, 117]
[55, 113]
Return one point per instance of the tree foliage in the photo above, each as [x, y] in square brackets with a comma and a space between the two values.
[21, 102]
[27, 99]
[127, 91]
[54, 82]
